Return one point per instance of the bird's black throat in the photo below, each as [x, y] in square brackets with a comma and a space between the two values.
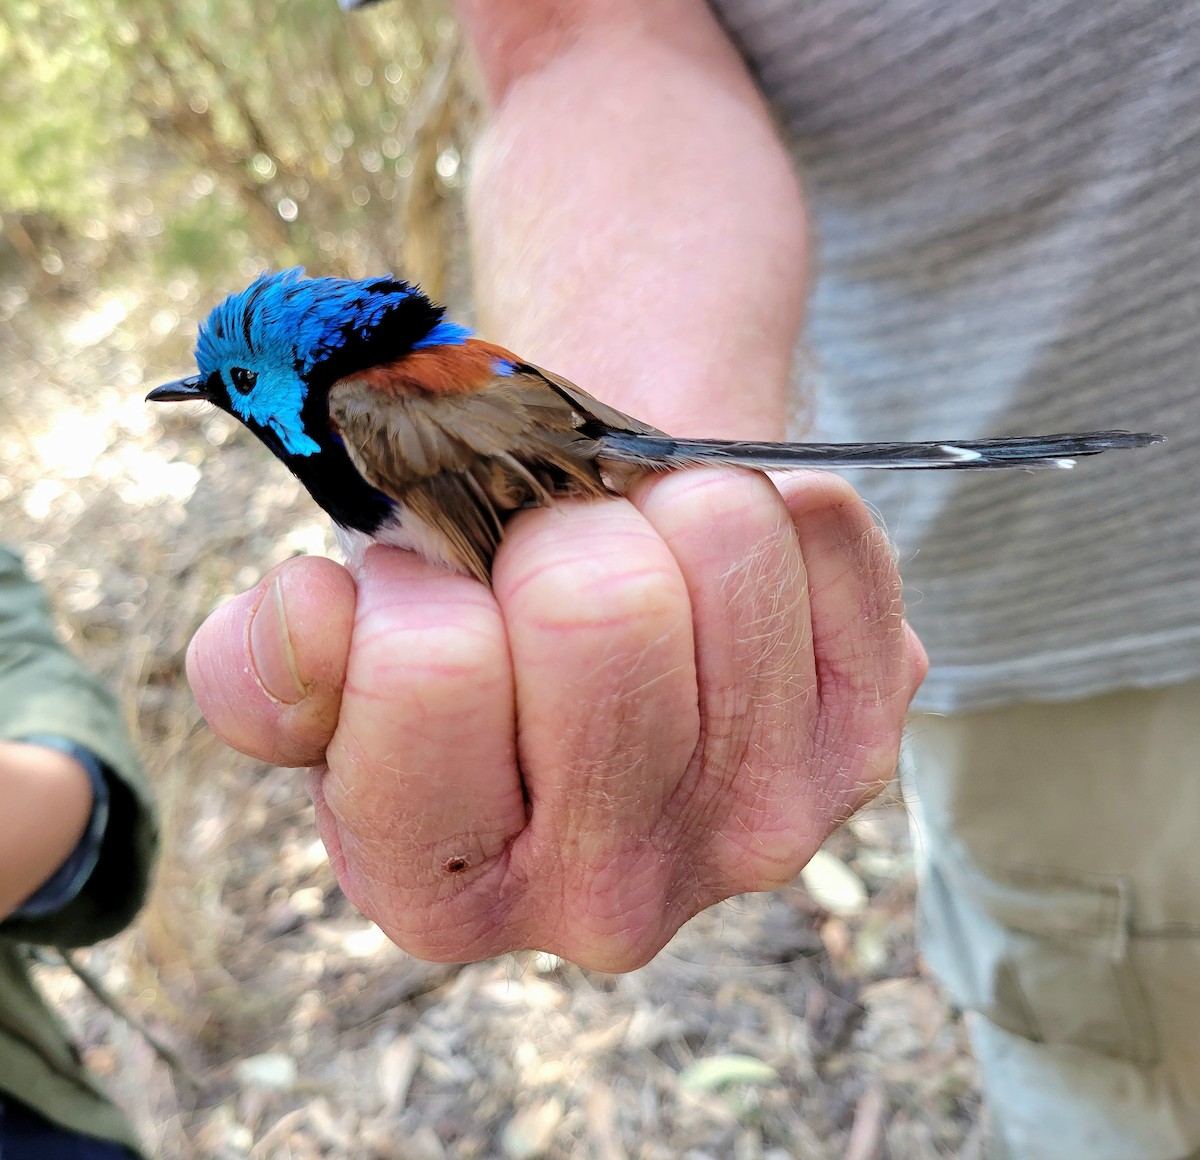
[334, 482]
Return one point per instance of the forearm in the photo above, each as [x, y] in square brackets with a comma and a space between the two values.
[46, 801]
[636, 223]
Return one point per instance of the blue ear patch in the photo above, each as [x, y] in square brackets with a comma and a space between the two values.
[276, 403]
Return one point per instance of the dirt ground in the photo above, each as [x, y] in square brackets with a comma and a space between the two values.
[796, 1024]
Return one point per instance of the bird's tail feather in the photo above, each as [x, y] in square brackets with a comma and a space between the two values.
[1032, 451]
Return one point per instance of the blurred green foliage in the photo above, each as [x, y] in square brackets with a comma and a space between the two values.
[62, 105]
[214, 133]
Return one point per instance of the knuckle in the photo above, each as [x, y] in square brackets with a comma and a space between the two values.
[445, 934]
[771, 867]
[613, 949]
[859, 757]
[619, 581]
[631, 600]
[706, 499]
[918, 661]
[613, 959]
[392, 657]
[607, 911]
[429, 906]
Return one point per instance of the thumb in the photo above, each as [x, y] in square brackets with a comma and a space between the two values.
[267, 667]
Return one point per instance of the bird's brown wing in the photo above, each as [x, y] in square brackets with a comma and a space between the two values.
[461, 463]
[591, 408]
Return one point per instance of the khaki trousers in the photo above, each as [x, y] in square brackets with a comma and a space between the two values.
[1060, 906]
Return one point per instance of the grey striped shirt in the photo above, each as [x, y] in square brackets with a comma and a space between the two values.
[1007, 223]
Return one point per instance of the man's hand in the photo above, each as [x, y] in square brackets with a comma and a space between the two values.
[664, 700]
[662, 703]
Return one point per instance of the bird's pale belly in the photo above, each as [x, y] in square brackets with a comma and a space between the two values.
[400, 530]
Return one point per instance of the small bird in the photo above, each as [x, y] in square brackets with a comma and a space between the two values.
[410, 430]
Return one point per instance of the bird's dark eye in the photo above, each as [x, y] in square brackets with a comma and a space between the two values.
[243, 380]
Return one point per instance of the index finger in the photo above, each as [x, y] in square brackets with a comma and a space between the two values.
[422, 782]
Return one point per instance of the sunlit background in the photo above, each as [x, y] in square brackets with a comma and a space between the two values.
[154, 157]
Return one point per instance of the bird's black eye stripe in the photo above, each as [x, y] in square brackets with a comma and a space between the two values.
[243, 380]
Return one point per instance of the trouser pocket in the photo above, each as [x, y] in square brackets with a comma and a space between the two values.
[1045, 956]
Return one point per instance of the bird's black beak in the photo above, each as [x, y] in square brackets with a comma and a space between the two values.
[180, 391]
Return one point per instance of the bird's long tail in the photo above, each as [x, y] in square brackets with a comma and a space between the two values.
[1030, 451]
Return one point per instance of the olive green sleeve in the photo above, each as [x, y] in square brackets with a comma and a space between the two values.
[44, 689]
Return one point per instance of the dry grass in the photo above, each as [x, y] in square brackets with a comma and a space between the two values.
[769, 1028]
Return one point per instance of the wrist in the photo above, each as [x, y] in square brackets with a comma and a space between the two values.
[49, 796]
[609, 248]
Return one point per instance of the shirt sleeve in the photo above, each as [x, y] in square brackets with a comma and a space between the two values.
[46, 692]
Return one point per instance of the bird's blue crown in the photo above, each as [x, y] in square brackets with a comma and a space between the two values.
[330, 326]
[268, 353]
